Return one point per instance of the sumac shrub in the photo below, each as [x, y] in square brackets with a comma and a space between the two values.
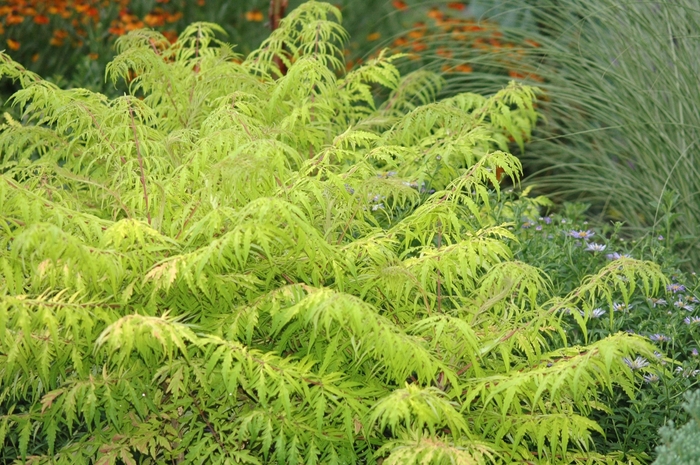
[231, 264]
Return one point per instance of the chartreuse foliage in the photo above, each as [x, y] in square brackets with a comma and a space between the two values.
[231, 265]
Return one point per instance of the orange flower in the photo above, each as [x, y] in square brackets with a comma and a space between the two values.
[60, 34]
[416, 34]
[400, 42]
[373, 36]
[254, 16]
[93, 13]
[56, 42]
[418, 46]
[154, 20]
[135, 25]
[464, 68]
[93, 56]
[459, 6]
[399, 5]
[200, 2]
[435, 13]
[444, 52]
[35, 57]
[472, 28]
[41, 19]
[532, 43]
[174, 17]
[516, 75]
[14, 19]
[116, 30]
[13, 44]
[170, 35]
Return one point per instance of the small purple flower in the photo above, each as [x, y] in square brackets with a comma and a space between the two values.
[681, 304]
[636, 364]
[659, 338]
[661, 238]
[538, 227]
[692, 299]
[687, 372]
[691, 320]
[595, 313]
[675, 288]
[651, 378]
[617, 256]
[546, 219]
[694, 352]
[581, 234]
[654, 302]
[621, 307]
[593, 247]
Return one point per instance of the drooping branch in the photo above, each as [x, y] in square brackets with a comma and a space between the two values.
[138, 154]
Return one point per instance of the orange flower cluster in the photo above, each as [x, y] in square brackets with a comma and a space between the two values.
[156, 18]
[482, 36]
[80, 15]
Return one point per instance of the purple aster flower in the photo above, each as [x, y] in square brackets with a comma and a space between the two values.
[595, 313]
[621, 307]
[546, 219]
[691, 320]
[651, 378]
[617, 256]
[681, 304]
[687, 372]
[636, 364]
[654, 302]
[694, 352]
[593, 247]
[675, 288]
[659, 338]
[581, 234]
